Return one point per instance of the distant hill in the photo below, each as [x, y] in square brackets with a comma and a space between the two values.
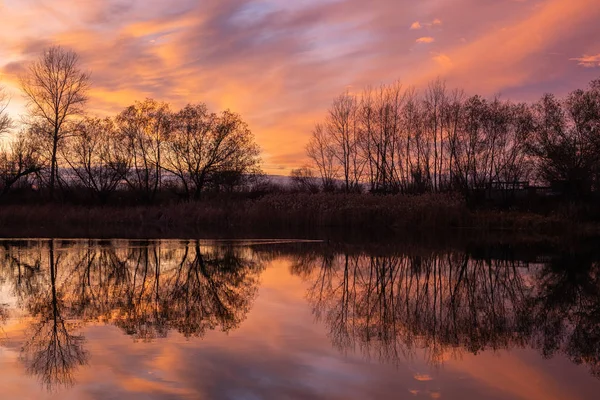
[280, 180]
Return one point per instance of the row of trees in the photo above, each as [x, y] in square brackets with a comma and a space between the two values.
[391, 139]
[398, 139]
[145, 148]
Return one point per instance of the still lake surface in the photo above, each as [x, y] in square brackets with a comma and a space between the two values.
[268, 319]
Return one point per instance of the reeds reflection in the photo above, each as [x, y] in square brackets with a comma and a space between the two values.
[388, 307]
[145, 288]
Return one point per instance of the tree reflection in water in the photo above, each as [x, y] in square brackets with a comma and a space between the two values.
[52, 351]
[389, 306]
[386, 306]
[144, 288]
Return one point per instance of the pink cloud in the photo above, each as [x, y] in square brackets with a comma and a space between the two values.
[588, 61]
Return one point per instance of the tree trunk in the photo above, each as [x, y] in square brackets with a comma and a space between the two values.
[53, 167]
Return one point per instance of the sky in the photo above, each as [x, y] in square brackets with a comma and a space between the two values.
[279, 63]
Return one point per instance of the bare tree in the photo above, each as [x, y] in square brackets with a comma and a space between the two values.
[206, 149]
[342, 127]
[18, 160]
[452, 113]
[5, 121]
[304, 180]
[320, 151]
[416, 149]
[382, 129]
[95, 155]
[435, 102]
[145, 127]
[234, 154]
[565, 138]
[56, 90]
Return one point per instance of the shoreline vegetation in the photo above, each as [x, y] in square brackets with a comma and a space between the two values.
[388, 162]
[299, 215]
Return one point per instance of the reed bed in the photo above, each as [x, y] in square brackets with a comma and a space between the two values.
[277, 213]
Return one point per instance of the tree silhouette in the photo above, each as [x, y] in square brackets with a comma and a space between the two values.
[56, 90]
[5, 121]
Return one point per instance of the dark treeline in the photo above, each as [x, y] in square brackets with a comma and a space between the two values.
[399, 140]
[60, 150]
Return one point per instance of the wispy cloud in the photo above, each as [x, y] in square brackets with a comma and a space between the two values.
[588, 61]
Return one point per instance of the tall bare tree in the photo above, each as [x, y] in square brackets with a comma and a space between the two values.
[321, 152]
[56, 88]
[145, 127]
[435, 102]
[342, 127]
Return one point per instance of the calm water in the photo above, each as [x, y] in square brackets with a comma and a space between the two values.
[286, 320]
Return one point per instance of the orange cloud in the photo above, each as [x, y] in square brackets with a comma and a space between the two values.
[418, 25]
[443, 60]
[588, 61]
[425, 39]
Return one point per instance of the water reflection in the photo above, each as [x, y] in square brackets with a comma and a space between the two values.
[389, 306]
[146, 289]
[52, 351]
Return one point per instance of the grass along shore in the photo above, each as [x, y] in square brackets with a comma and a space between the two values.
[283, 214]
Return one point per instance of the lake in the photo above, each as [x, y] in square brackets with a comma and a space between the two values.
[286, 319]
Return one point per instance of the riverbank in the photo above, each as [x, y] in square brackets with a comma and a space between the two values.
[284, 214]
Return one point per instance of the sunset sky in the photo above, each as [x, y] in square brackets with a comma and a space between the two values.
[280, 62]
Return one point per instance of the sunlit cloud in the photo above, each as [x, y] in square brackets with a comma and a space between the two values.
[443, 60]
[425, 39]
[588, 61]
[416, 25]
[420, 25]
